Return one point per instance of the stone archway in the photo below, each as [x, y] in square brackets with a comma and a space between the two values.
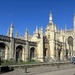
[19, 53]
[32, 54]
[70, 44]
[59, 51]
[45, 54]
[4, 51]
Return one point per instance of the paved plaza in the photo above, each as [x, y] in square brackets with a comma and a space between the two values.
[62, 72]
[44, 70]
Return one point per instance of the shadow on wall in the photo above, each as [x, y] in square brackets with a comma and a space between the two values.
[5, 69]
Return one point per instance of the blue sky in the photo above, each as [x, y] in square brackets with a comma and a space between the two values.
[31, 13]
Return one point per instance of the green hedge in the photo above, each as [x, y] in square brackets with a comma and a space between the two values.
[12, 62]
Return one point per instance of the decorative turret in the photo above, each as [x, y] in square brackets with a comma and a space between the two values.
[16, 34]
[65, 28]
[41, 31]
[50, 17]
[11, 30]
[55, 29]
[26, 34]
[36, 30]
[8, 32]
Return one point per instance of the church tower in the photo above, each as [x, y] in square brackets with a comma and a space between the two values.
[50, 34]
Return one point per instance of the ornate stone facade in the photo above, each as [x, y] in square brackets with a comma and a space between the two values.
[52, 45]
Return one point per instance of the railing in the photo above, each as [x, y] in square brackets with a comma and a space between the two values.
[20, 41]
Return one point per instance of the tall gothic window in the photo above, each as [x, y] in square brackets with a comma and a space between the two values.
[70, 44]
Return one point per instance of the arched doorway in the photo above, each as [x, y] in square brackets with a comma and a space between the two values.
[32, 54]
[70, 44]
[46, 54]
[3, 51]
[59, 48]
[19, 51]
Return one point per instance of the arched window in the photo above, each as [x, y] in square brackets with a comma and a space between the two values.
[70, 44]
[19, 53]
[70, 40]
[3, 50]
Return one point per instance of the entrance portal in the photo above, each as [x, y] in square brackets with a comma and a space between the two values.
[19, 53]
[32, 54]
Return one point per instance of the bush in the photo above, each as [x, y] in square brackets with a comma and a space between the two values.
[21, 61]
[7, 62]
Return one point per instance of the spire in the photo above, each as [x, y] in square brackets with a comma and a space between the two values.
[50, 17]
[41, 30]
[8, 32]
[11, 25]
[36, 30]
[16, 34]
[26, 34]
[26, 30]
[74, 20]
[65, 27]
[55, 28]
[11, 30]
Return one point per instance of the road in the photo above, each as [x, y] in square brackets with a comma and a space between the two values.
[61, 72]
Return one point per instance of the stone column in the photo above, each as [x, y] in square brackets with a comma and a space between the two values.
[52, 45]
[40, 47]
[27, 54]
[6, 53]
[12, 49]
[23, 54]
[41, 50]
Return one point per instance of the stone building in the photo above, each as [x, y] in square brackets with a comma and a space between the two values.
[52, 45]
